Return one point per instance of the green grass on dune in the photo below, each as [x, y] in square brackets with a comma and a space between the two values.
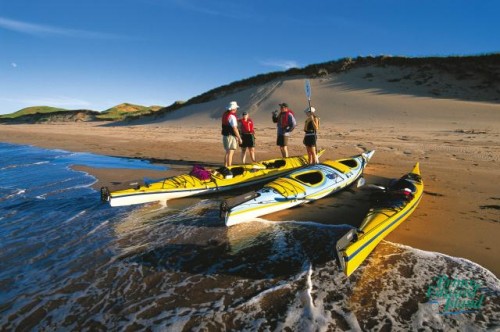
[33, 110]
[125, 110]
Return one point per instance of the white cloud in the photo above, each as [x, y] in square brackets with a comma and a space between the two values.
[227, 9]
[283, 64]
[13, 64]
[45, 30]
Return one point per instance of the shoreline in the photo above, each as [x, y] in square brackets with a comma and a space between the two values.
[458, 215]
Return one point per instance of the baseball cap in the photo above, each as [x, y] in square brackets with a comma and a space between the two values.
[245, 113]
[283, 105]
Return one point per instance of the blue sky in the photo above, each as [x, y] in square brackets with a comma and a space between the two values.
[95, 54]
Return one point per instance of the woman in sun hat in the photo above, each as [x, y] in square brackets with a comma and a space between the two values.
[311, 127]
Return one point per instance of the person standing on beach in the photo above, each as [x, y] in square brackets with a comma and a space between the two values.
[230, 134]
[285, 123]
[311, 127]
[247, 137]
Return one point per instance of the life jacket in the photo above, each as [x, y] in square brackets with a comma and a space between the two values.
[226, 127]
[284, 119]
[246, 126]
[309, 126]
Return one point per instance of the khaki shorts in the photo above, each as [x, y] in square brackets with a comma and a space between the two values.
[282, 140]
[230, 142]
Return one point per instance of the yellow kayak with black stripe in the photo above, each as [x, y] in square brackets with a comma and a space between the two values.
[185, 185]
[393, 206]
[298, 187]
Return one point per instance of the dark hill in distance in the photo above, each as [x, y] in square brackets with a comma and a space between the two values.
[33, 110]
[43, 114]
[58, 116]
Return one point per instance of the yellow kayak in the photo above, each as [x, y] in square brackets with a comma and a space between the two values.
[216, 180]
[394, 205]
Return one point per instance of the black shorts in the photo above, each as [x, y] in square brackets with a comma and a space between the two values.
[310, 140]
[282, 140]
[247, 141]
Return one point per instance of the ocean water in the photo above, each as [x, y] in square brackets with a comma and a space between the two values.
[70, 262]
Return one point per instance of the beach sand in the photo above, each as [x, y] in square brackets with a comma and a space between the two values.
[456, 142]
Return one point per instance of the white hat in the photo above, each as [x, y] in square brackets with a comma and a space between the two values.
[232, 105]
[312, 110]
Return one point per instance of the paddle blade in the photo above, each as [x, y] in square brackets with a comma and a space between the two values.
[307, 87]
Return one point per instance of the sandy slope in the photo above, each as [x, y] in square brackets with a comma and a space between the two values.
[456, 142]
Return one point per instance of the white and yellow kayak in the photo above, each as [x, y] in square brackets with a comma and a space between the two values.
[393, 206]
[298, 187]
[189, 185]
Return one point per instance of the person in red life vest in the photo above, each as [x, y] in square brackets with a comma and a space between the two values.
[285, 123]
[248, 137]
[230, 135]
[311, 127]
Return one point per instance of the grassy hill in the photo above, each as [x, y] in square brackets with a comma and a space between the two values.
[122, 111]
[118, 112]
[33, 110]
[50, 117]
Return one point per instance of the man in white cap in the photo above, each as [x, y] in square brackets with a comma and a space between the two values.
[230, 134]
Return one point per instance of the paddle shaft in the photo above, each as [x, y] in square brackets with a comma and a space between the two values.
[307, 87]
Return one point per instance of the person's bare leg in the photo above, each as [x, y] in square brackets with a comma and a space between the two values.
[284, 151]
[315, 155]
[252, 154]
[228, 160]
[243, 155]
[309, 155]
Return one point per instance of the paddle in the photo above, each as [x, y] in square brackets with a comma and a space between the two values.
[307, 87]
[308, 92]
